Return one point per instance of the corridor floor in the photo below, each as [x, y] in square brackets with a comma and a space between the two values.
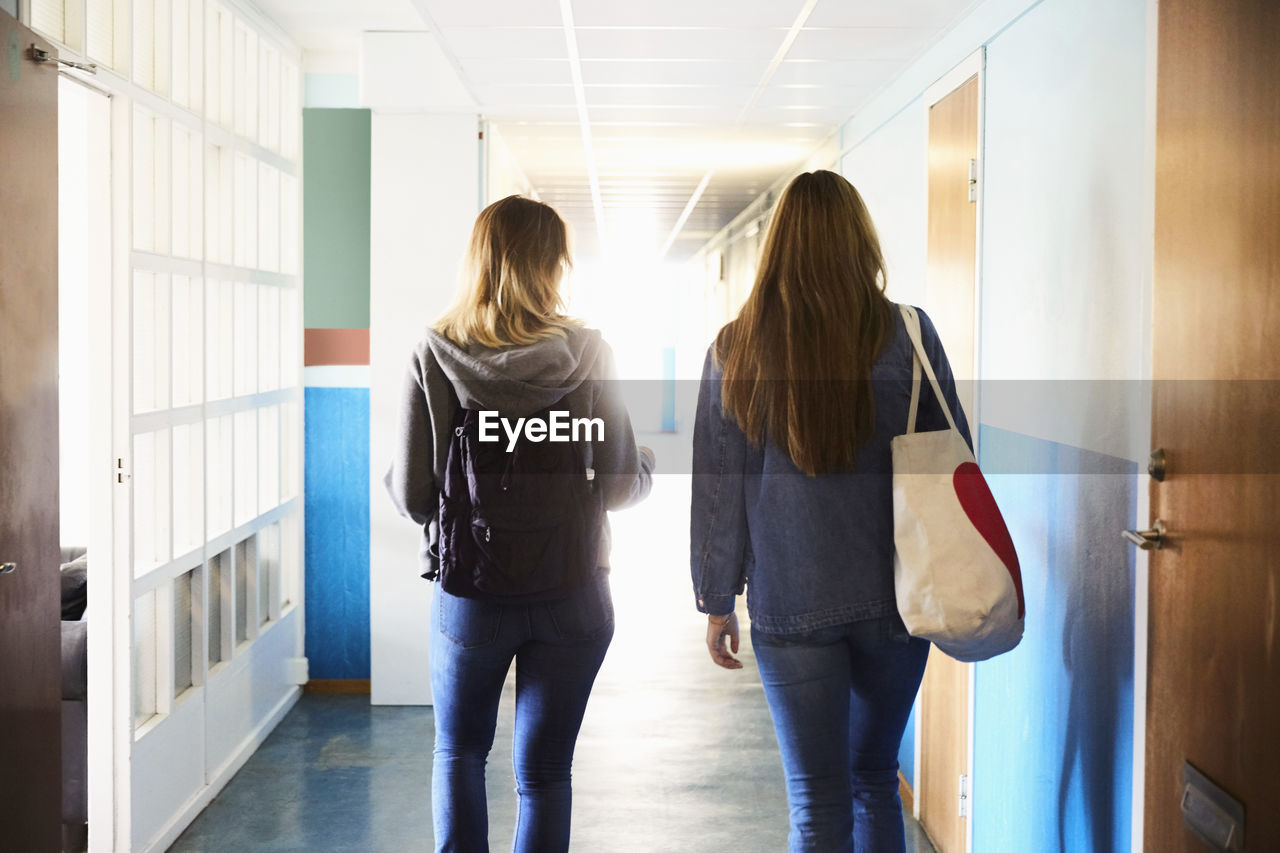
[675, 754]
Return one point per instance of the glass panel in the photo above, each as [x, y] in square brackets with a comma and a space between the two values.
[246, 339]
[246, 205]
[226, 68]
[188, 341]
[246, 466]
[101, 34]
[181, 192]
[220, 360]
[144, 200]
[188, 487]
[290, 442]
[290, 564]
[183, 620]
[291, 105]
[195, 65]
[290, 320]
[219, 577]
[268, 570]
[268, 338]
[246, 577]
[151, 462]
[289, 245]
[178, 34]
[144, 658]
[164, 47]
[246, 81]
[144, 43]
[151, 328]
[49, 17]
[268, 458]
[268, 218]
[220, 431]
[269, 95]
[163, 186]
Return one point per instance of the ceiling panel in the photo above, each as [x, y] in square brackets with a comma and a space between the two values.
[902, 43]
[665, 82]
[497, 72]
[720, 96]
[877, 13]
[703, 13]
[506, 42]
[485, 13]
[845, 97]
[714, 44]
[837, 72]
[558, 95]
[703, 72]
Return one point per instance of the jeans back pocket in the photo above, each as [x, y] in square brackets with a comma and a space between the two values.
[585, 613]
[468, 622]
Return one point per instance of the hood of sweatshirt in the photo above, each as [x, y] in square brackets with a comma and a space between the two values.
[517, 381]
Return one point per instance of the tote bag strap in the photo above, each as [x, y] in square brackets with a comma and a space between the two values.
[920, 359]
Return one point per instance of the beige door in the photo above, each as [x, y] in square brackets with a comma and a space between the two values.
[30, 680]
[1213, 667]
[943, 714]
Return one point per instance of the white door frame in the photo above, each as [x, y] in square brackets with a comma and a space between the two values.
[974, 64]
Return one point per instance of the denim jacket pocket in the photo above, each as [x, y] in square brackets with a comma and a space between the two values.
[468, 622]
[586, 613]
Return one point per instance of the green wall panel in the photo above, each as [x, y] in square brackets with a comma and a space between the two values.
[336, 218]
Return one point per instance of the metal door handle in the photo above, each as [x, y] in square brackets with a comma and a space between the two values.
[8, 568]
[1147, 540]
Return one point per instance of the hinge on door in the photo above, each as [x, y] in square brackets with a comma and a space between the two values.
[122, 476]
[973, 180]
[964, 795]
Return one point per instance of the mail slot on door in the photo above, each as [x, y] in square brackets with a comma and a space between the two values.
[1210, 812]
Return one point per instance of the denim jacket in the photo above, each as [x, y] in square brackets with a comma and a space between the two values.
[810, 551]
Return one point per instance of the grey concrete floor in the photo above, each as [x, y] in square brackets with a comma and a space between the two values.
[675, 754]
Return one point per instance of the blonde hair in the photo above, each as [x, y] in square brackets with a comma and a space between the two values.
[509, 289]
[797, 360]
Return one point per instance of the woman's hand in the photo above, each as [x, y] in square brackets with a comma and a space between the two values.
[718, 629]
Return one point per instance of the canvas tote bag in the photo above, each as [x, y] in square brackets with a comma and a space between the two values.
[955, 571]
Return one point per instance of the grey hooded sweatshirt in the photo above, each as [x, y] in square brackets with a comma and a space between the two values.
[515, 381]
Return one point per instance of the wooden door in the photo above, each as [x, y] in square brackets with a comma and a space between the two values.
[943, 714]
[30, 644]
[1213, 664]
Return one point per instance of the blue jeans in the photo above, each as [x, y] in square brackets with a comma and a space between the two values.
[840, 698]
[558, 647]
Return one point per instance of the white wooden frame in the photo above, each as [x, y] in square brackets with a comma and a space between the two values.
[112, 735]
[974, 64]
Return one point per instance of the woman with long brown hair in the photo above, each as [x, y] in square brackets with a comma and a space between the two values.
[521, 549]
[792, 500]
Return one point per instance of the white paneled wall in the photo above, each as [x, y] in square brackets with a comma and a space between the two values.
[207, 115]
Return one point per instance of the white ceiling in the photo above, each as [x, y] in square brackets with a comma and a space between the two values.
[671, 91]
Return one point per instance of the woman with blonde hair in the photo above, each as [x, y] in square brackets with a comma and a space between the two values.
[514, 530]
[792, 500]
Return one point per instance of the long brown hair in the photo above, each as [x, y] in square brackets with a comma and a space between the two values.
[509, 289]
[797, 360]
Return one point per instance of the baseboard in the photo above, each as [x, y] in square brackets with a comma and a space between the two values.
[205, 795]
[908, 796]
[338, 685]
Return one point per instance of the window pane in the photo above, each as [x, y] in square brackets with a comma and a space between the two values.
[183, 660]
[144, 658]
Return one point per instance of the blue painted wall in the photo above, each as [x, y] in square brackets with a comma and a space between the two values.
[1054, 718]
[337, 540]
[907, 753]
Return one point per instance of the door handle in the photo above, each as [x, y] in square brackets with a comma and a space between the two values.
[1147, 540]
[8, 568]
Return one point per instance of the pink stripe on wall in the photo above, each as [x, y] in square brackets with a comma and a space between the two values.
[336, 346]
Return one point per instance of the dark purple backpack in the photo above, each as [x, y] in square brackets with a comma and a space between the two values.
[519, 525]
